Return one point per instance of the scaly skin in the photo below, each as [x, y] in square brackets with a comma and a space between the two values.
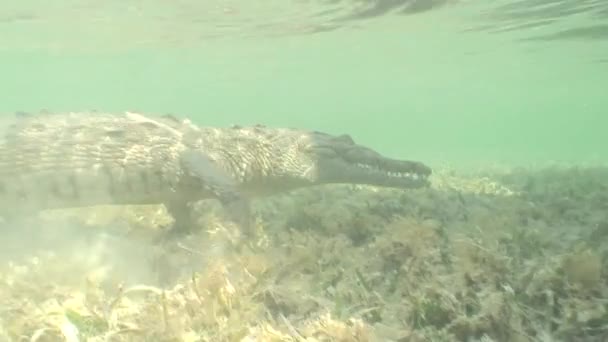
[266, 161]
[70, 160]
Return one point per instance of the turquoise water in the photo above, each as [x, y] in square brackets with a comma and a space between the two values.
[464, 81]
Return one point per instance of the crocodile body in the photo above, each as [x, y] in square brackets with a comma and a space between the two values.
[54, 161]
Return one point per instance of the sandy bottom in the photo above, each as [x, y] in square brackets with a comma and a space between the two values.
[507, 255]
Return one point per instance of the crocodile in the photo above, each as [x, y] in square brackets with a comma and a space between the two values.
[69, 160]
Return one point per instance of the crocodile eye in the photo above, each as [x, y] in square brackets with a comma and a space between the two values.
[346, 138]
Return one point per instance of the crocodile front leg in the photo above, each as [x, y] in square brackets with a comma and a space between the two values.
[183, 221]
[203, 175]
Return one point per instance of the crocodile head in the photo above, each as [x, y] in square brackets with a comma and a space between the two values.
[338, 159]
[266, 160]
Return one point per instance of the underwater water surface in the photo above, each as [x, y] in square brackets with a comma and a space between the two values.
[433, 80]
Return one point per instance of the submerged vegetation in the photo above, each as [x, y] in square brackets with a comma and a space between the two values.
[505, 256]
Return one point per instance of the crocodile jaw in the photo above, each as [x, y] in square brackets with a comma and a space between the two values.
[382, 172]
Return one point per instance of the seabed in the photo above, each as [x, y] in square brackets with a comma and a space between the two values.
[502, 255]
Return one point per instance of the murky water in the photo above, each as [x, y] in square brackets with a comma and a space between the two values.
[436, 80]
[513, 255]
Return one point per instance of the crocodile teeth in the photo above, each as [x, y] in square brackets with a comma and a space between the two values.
[409, 175]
